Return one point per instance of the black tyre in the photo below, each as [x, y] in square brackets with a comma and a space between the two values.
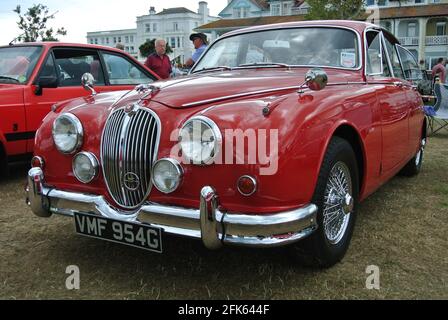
[414, 166]
[3, 164]
[336, 196]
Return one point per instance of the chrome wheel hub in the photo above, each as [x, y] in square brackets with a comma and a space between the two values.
[338, 203]
[420, 152]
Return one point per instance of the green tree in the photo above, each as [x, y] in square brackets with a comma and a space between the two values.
[335, 9]
[149, 47]
[33, 24]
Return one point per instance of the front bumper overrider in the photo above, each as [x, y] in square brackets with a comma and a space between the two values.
[207, 223]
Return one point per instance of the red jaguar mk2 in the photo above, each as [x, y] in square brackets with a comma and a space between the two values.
[326, 105]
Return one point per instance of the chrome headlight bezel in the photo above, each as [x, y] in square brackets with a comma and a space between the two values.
[217, 139]
[79, 132]
[177, 167]
[93, 162]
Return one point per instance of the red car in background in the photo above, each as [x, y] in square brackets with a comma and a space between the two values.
[35, 76]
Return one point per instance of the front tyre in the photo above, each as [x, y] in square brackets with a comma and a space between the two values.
[336, 196]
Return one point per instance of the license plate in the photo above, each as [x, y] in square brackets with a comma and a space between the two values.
[131, 234]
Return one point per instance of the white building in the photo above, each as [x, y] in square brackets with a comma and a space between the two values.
[127, 37]
[174, 25]
[420, 25]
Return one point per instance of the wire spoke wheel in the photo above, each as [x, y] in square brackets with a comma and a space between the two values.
[338, 203]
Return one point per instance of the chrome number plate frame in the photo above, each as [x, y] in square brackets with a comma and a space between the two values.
[141, 236]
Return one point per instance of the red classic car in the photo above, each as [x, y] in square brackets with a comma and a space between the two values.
[275, 136]
[34, 76]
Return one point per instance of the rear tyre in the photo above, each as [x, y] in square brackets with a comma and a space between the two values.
[414, 166]
[336, 196]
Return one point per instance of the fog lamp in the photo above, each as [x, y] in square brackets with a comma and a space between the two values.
[167, 175]
[85, 167]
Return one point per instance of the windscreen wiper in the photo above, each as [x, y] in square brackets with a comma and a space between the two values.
[9, 78]
[222, 68]
[264, 64]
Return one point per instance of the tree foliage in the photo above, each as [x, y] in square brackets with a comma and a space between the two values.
[335, 9]
[149, 47]
[33, 24]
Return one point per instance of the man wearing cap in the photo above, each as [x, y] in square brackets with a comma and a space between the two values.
[200, 44]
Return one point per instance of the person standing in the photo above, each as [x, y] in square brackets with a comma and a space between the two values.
[200, 44]
[440, 70]
[159, 62]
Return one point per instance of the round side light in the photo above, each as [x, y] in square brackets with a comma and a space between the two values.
[247, 185]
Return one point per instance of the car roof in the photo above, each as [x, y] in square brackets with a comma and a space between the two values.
[52, 44]
[358, 26]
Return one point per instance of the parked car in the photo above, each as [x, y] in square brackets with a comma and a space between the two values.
[272, 139]
[35, 76]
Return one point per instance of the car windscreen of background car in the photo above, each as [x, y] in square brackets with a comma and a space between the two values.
[17, 63]
[325, 47]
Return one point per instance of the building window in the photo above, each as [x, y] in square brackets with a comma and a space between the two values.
[242, 12]
[381, 2]
[154, 27]
[441, 28]
[173, 42]
[370, 2]
[107, 40]
[287, 9]
[126, 39]
[91, 41]
[132, 49]
[96, 40]
[412, 29]
[175, 26]
[131, 38]
[147, 28]
[119, 39]
[275, 9]
[115, 40]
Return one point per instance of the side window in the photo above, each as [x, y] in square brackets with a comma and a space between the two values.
[48, 69]
[122, 71]
[410, 67]
[394, 60]
[374, 61]
[73, 63]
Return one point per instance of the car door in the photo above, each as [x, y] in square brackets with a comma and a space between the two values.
[413, 74]
[392, 101]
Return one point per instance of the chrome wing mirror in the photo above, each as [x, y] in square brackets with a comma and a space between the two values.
[316, 79]
[87, 81]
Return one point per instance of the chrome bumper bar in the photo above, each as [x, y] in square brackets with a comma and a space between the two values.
[207, 223]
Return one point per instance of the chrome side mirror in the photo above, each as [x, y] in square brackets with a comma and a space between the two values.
[316, 79]
[87, 81]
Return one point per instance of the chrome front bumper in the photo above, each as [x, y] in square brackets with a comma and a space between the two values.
[207, 223]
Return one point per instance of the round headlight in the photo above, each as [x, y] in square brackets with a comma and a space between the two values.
[85, 167]
[200, 140]
[166, 175]
[67, 133]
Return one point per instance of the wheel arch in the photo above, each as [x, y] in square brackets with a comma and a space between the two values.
[352, 136]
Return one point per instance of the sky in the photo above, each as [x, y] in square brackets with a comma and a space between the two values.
[80, 16]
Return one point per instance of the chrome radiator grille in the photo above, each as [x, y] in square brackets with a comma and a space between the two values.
[128, 150]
